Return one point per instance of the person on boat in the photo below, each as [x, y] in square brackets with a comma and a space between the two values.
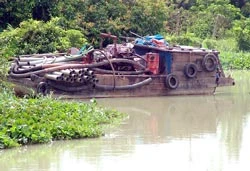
[217, 76]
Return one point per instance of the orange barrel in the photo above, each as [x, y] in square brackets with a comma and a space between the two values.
[153, 62]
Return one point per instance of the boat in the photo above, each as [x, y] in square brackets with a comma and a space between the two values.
[148, 66]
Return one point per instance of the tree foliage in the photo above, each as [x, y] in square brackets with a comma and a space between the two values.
[202, 19]
[39, 37]
[103, 16]
[242, 34]
[148, 17]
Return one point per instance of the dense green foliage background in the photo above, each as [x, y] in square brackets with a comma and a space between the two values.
[39, 37]
[63, 24]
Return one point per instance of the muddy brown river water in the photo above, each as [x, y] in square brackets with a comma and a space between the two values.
[182, 133]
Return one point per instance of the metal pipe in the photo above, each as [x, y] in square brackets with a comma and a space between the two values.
[67, 72]
[85, 78]
[43, 54]
[72, 71]
[53, 77]
[22, 63]
[27, 59]
[55, 58]
[68, 66]
[94, 80]
[16, 70]
[85, 70]
[90, 73]
[80, 80]
[35, 68]
[58, 73]
[68, 79]
[45, 60]
[74, 75]
[26, 67]
[60, 59]
[78, 71]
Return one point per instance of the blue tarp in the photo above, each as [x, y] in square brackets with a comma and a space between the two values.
[151, 40]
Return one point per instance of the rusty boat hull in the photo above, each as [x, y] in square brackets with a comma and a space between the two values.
[173, 62]
[156, 87]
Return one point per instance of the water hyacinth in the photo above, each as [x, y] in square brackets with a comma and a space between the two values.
[41, 120]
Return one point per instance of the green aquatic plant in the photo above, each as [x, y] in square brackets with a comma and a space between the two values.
[41, 120]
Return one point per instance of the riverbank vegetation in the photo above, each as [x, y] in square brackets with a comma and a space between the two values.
[44, 119]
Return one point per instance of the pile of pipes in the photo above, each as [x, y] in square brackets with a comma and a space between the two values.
[84, 76]
[55, 67]
[70, 72]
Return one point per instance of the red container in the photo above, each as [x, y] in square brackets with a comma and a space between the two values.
[153, 62]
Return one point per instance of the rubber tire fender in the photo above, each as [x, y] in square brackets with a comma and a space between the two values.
[212, 58]
[43, 88]
[171, 81]
[190, 70]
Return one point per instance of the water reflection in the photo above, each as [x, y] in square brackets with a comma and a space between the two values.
[171, 118]
[166, 133]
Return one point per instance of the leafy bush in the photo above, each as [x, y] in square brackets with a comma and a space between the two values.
[209, 44]
[40, 120]
[228, 45]
[230, 56]
[39, 37]
[187, 39]
[242, 34]
[235, 60]
[4, 67]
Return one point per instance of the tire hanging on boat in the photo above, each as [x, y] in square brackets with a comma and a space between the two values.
[209, 62]
[171, 81]
[190, 70]
[43, 88]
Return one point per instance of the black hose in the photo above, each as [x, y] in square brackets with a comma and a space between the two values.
[16, 71]
[126, 87]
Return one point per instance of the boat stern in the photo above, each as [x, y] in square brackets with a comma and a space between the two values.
[226, 81]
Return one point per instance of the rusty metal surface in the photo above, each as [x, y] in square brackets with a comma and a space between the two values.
[178, 49]
[155, 88]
